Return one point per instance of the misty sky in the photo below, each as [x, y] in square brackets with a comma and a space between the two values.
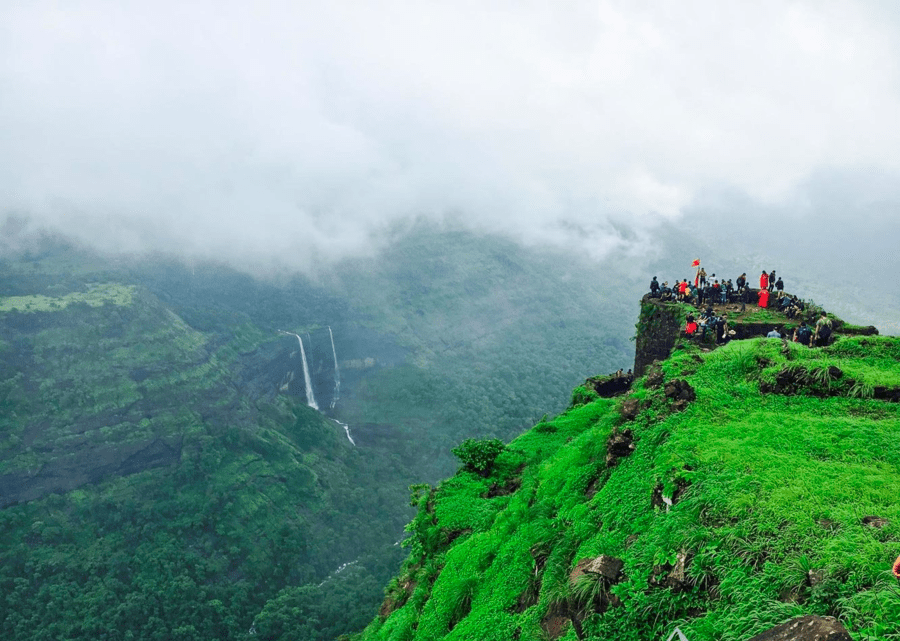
[292, 132]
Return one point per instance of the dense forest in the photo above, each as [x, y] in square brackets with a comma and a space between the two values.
[162, 473]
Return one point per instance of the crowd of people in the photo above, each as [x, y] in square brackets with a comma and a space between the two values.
[709, 290]
[706, 292]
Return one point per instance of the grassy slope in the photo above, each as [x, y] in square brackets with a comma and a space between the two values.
[776, 487]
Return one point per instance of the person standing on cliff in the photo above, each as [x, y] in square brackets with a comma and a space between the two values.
[702, 282]
[654, 288]
[764, 280]
[745, 297]
[771, 280]
[741, 282]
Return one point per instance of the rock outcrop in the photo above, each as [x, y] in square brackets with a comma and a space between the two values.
[806, 628]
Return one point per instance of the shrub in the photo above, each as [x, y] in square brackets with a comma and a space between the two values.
[479, 455]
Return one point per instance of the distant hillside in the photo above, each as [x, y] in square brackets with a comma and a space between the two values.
[731, 489]
[162, 473]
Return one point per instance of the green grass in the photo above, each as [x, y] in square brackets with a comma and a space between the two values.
[95, 295]
[774, 487]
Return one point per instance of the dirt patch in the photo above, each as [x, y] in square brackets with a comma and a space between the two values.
[554, 625]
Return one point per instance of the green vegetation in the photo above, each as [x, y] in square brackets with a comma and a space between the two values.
[95, 296]
[479, 455]
[742, 510]
[161, 475]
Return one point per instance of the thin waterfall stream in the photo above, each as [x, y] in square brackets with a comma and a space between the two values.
[310, 396]
[307, 380]
[337, 375]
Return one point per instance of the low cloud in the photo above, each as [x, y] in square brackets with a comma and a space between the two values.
[285, 133]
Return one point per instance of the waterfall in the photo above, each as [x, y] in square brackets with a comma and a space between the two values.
[310, 397]
[337, 377]
[347, 430]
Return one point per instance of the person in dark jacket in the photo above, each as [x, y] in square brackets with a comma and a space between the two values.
[802, 334]
[823, 330]
[779, 285]
[654, 287]
[741, 281]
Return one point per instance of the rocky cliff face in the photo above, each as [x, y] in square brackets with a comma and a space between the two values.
[658, 327]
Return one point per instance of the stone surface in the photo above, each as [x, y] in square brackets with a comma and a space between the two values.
[673, 576]
[618, 445]
[630, 409]
[610, 386]
[806, 628]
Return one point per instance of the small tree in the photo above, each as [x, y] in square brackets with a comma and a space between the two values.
[479, 455]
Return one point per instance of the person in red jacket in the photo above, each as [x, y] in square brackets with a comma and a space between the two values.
[763, 297]
[764, 280]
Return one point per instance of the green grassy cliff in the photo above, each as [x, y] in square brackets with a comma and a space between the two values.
[730, 490]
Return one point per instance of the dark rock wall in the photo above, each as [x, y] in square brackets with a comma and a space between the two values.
[658, 327]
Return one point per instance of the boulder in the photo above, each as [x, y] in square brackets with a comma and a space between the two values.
[618, 445]
[630, 409]
[806, 628]
[673, 576]
[608, 567]
[654, 377]
[681, 392]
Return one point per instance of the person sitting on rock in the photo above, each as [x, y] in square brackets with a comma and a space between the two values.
[774, 333]
[665, 292]
[763, 295]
